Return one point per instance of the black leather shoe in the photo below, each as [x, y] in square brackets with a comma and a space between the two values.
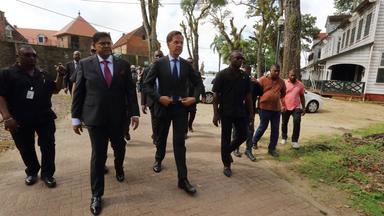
[227, 171]
[49, 181]
[250, 155]
[273, 153]
[186, 186]
[95, 206]
[157, 166]
[30, 180]
[106, 170]
[120, 176]
[237, 153]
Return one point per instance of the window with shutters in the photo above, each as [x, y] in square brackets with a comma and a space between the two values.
[367, 25]
[380, 71]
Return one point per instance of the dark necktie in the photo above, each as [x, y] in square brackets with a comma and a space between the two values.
[107, 73]
[175, 74]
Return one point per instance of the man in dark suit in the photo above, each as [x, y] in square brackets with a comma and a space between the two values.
[70, 76]
[147, 101]
[172, 74]
[104, 97]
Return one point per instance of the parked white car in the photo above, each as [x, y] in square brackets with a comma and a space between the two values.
[313, 102]
[208, 84]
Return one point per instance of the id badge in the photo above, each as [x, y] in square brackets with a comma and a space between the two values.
[30, 94]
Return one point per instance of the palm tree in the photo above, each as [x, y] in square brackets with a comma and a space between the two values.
[216, 45]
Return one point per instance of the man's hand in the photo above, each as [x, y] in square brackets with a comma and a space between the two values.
[144, 109]
[11, 125]
[77, 129]
[60, 69]
[188, 101]
[216, 120]
[134, 122]
[165, 100]
[203, 99]
[66, 90]
[303, 112]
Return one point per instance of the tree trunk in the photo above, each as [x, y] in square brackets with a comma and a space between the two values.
[149, 22]
[292, 30]
[196, 46]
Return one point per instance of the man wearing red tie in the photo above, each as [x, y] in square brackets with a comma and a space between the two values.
[104, 98]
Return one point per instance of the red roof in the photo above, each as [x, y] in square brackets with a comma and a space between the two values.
[32, 35]
[79, 27]
[126, 37]
[322, 35]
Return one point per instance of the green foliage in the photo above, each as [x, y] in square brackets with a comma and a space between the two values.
[346, 6]
[350, 163]
[308, 28]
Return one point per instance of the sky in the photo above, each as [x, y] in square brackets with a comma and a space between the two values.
[123, 18]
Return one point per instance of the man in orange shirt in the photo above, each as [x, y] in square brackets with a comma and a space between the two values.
[292, 104]
[270, 107]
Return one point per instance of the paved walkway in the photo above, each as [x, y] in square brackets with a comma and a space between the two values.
[252, 190]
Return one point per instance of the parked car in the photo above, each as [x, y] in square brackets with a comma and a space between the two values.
[208, 84]
[313, 102]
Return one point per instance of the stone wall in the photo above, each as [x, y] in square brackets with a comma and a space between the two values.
[48, 56]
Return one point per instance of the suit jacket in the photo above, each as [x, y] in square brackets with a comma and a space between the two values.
[167, 86]
[97, 104]
[145, 99]
[70, 77]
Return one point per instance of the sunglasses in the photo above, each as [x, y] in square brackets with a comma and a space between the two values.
[29, 55]
[158, 56]
[239, 57]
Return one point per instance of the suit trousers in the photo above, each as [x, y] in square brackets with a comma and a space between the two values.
[100, 135]
[239, 125]
[154, 123]
[177, 114]
[25, 142]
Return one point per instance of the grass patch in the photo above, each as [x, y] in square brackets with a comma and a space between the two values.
[351, 162]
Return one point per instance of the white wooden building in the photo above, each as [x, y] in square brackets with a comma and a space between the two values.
[349, 60]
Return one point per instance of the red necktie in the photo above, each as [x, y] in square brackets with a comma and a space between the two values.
[107, 73]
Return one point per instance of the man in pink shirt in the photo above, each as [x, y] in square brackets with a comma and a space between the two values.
[293, 103]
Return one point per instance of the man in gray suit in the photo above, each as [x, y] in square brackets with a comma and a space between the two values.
[147, 101]
[104, 98]
[173, 74]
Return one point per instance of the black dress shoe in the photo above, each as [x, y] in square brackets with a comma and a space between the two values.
[120, 176]
[273, 153]
[250, 156]
[95, 206]
[49, 181]
[157, 166]
[106, 170]
[186, 186]
[227, 171]
[30, 180]
[237, 153]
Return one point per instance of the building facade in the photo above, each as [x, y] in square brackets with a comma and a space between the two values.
[349, 60]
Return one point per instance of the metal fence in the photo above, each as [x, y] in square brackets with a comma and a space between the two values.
[330, 87]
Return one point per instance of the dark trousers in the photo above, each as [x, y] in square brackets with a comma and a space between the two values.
[25, 142]
[296, 114]
[154, 123]
[240, 129]
[100, 135]
[177, 114]
[250, 131]
[267, 116]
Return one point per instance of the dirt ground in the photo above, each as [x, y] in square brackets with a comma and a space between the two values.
[335, 117]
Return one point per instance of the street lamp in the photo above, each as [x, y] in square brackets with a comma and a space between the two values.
[280, 26]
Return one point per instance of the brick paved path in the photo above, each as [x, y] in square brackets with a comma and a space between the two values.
[252, 190]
